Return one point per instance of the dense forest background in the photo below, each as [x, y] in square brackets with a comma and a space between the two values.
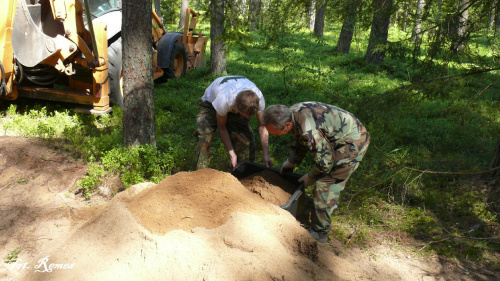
[421, 75]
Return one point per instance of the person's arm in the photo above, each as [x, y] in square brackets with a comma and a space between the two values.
[322, 152]
[314, 141]
[224, 135]
[264, 139]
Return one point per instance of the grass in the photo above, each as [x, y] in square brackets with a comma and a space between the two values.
[444, 125]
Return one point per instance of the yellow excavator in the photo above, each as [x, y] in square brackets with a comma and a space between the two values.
[70, 51]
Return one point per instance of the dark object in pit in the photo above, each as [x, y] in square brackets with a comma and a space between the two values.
[283, 190]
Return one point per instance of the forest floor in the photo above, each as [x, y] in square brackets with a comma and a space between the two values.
[202, 225]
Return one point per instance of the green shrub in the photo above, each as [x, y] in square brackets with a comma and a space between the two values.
[138, 163]
[12, 256]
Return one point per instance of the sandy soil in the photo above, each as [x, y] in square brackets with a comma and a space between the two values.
[203, 225]
[270, 187]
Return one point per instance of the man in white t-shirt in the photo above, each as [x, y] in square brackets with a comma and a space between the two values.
[227, 105]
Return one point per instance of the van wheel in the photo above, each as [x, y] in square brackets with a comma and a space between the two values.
[178, 62]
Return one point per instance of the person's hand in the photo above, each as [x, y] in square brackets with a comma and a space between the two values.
[287, 166]
[307, 180]
[267, 160]
[234, 159]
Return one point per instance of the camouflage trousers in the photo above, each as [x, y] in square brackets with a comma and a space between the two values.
[238, 127]
[327, 190]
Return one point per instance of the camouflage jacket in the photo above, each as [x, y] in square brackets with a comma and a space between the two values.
[332, 135]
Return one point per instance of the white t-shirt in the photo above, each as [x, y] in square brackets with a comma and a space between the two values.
[223, 91]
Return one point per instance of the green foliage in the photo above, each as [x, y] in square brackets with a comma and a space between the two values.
[95, 135]
[281, 20]
[95, 175]
[133, 164]
[170, 11]
[12, 256]
[37, 122]
[138, 163]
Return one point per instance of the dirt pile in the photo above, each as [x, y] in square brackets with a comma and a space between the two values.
[205, 198]
[202, 225]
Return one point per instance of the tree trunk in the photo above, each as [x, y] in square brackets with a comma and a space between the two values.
[418, 22]
[157, 7]
[491, 20]
[405, 15]
[438, 16]
[319, 21]
[375, 52]
[217, 46]
[312, 14]
[182, 18]
[496, 18]
[138, 105]
[497, 23]
[494, 195]
[243, 6]
[459, 26]
[345, 38]
[254, 10]
[440, 10]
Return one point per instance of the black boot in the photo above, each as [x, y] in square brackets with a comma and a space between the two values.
[320, 236]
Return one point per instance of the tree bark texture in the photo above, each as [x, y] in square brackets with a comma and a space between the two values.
[491, 20]
[217, 45]
[182, 18]
[459, 26]
[405, 14]
[319, 21]
[243, 6]
[255, 8]
[440, 10]
[138, 109]
[418, 22]
[375, 52]
[157, 7]
[345, 38]
[312, 14]
[497, 20]
[494, 195]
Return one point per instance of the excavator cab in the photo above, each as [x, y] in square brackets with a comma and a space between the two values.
[99, 7]
[50, 50]
[49, 53]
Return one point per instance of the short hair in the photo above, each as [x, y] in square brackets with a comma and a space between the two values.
[247, 102]
[277, 115]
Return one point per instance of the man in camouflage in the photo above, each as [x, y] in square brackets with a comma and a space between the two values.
[227, 105]
[336, 139]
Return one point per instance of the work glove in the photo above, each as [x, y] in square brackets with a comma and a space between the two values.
[307, 180]
[287, 166]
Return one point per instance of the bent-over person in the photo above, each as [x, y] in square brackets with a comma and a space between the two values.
[337, 141]
[228, 105]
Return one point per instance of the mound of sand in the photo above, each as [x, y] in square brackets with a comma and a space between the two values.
[202, 225]
[204, 198]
